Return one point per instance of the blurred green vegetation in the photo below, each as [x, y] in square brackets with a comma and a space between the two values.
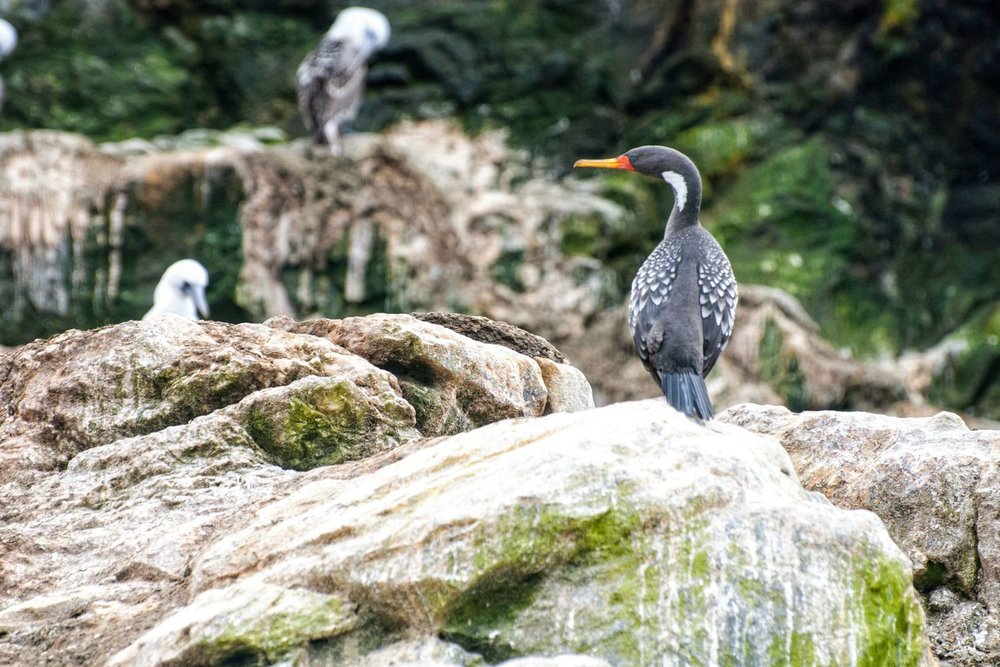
[851, 152]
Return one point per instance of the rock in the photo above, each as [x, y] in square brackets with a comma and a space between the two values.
[427, 652]
[775, 341]
[568, 389]
[565, 660]
[627, 530]
[454, 383]
[157, 430]
[934, 483]
[154, 527]
[324, 420]
[86, 388]
[51, 183]
[266, 621]
[486, 330]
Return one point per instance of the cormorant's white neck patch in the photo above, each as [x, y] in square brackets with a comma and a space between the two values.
[679, 185]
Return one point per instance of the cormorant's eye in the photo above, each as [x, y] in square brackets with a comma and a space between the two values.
[370, 35]
[185, 287]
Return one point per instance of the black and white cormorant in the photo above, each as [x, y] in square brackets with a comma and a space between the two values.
[683, 301]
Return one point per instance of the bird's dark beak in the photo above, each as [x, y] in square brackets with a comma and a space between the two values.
[620, 162]
[200, 302]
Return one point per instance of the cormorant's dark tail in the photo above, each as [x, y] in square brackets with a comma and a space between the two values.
[687, 393]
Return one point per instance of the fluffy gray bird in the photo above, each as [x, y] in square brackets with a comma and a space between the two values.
[181, 291]
[331, 79]
[8, 41]
[683, 302]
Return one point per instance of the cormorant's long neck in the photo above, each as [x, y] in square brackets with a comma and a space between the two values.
[687, 200]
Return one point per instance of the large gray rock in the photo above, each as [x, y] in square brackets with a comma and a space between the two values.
[627, 533]
[160, 509]
[453, 382]
[86, 388]
[934, 483]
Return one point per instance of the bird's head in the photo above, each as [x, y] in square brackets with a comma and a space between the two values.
[658, 162]
[8, 38]
[186, 280]
[368, 29]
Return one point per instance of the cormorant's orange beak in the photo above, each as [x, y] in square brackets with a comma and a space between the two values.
[620, 162]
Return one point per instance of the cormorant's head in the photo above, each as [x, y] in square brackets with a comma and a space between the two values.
[659, 162]
[184, 282]
[8, 38]
[368, 29]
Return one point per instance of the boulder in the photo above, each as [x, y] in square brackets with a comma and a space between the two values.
[163, 506]
[626, 534]
[935, 484]
[454, 383]
[122, 449]
[86, 388]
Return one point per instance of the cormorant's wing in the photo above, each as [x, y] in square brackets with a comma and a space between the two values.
[650, 289]
[330, 82]
[717, 295]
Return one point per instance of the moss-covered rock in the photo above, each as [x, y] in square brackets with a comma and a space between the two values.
[967, 378]
[141, 377]
[324, 421]
[930, 480]
[625, 533]
[454, 383]
[258, 625]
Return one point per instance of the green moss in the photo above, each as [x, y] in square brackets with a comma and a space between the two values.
[798, 650]
[511, 560]
[272, 634]
[970, 380]
[889, 614]
[723, 148]
[896, 24]
[324, 425]
[506, 270]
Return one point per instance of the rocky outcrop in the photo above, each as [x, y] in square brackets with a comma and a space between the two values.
[420, 218]
[454, 383]
[170, 499]
[934, 483]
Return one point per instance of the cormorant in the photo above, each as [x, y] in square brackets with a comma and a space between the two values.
[181, 291]
[683, 301]
[332, 77]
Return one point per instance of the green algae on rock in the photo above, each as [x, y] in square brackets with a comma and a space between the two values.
[932, 481]
[454, 383]
[625, 533]
[324, 421]
[262, 621]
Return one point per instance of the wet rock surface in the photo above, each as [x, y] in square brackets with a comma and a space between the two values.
[934, 483]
